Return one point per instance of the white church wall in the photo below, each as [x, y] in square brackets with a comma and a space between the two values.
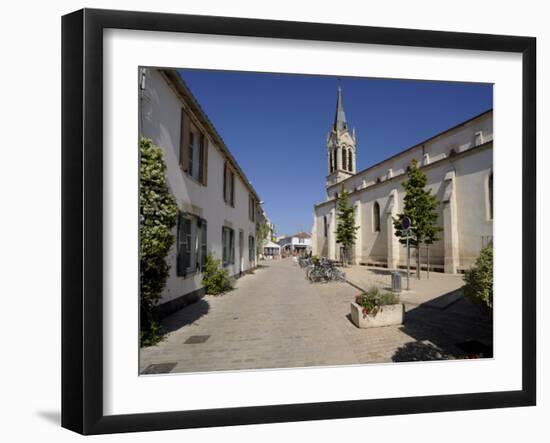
[472, 170]
[475, 227]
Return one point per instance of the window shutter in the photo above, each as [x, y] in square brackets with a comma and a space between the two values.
[225, 182]
[232, 238]
[232, 189]
[184, 141]
[203, 158]
[225, 245]
[203, 238]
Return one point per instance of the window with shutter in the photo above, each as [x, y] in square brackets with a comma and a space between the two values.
[228, 246]
[191, 244]
[184, 236]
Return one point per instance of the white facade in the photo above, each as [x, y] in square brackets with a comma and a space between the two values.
[459, 167]
[300, 242]
[163, 100]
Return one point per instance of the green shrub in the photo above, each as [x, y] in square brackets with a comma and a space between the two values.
[215, 279]
[479, 279]
[374, 299]
[157, 216]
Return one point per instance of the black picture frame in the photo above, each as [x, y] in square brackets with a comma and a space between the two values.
[82, 218]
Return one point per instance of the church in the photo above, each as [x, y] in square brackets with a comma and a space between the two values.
[458, 163]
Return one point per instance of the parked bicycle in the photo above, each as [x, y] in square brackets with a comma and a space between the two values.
[324, 270]
[304, 262]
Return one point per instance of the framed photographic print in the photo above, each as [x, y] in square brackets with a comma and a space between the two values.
[269, 221]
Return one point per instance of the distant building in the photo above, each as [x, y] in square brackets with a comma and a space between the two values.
[219, 208]
[459, 165]
[271, 250]
[296, 244]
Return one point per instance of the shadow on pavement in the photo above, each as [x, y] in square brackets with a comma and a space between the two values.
[437, 332]
[186, 316]
[419, 351]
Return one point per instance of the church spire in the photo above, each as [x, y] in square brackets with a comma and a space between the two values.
[340, 122]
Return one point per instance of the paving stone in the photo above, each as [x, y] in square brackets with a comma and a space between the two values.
[277, 319]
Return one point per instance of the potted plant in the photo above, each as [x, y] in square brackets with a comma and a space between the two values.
[374, 309]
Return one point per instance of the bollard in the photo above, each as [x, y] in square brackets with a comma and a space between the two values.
[396, 281]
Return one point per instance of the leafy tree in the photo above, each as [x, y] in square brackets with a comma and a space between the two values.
[479, 279]
[215, 279]
[158, 213]
[420, 205]
[345, 227]
[263, 233]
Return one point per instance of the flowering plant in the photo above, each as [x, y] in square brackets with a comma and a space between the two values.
[373, 300]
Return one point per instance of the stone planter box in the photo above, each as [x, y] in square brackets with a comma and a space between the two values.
[387, 315]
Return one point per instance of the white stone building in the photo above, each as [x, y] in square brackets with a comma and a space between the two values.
[219, 207]
[299, 243]
[459, 165]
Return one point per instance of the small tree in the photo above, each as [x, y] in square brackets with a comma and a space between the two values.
[420, 205]
[345, 227]
[263, 233]
[157, 216]
[479, 279]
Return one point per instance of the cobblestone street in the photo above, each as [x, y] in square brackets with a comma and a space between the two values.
[275, 318]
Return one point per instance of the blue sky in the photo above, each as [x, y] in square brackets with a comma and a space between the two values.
[276, 126]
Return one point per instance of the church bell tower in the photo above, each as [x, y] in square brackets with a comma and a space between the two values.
[340, 146]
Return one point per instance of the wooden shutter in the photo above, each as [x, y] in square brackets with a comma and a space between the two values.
[224, 246]
[232, 189]
[203, 247]
[203, 158]
[225, 182]
[184, 141]
[232, 245]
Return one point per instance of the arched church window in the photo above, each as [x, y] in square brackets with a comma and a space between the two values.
[325, 226]
[331, 155]
[490, 192]
[376, 217]
[350, 161]
[335, 164]
[344, 160]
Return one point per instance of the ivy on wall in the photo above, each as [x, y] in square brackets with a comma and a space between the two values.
[158, 213]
